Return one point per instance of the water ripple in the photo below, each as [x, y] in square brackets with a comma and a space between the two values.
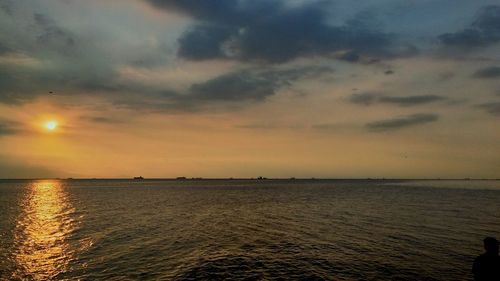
[242, 230]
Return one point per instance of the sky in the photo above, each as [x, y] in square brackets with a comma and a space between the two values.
[248, 88]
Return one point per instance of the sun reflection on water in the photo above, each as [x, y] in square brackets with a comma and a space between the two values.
[43, 228]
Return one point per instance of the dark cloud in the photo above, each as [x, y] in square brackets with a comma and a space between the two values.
[238, 86]
[271, 31]
[287, 76]
[52, 35]
[36, 34]
[334, 127]
[204, 42]
[68, 65]
[29, 32]
[8, 127]
[410, 100]
[229, 91]
[8, 82]
[4, 49]
[19, 85]
[364, 98]
[492, 108]
[445, 76]
[483, 31]
[234, 87]
[101, 119]
[349, 56]
[268, 126]
[222, 11]
[6, 6]
[488, 72]
[58, 60]
[402, 122]
[370, 98]
[246, 85]
[252, 84]
[22, 84]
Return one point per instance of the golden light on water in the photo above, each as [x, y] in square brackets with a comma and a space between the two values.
[42, 232]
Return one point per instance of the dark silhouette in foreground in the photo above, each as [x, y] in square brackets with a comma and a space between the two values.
[487, 265]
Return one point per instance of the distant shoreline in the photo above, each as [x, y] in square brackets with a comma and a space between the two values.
[262, 179]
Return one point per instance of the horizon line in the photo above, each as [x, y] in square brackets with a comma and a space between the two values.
[242, 178]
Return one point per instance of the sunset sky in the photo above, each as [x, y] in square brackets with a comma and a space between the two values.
[247, 88]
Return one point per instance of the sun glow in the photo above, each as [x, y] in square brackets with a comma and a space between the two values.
[51, 125]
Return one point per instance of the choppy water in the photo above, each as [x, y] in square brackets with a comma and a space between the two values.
[251, 230]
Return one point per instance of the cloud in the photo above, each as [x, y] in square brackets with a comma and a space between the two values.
[402, 122]
[350, 56]
[370, 98]
[251, 84]
[62, 60]
[492, 108]
[6, 7]
[234, 87]
[4, 49]
[70, 63]
[335, 127]
[204, 42]
[271, 31]
[52, 36]
[265, 126]
[288, 75]
[71, 59]
[484, 30]
[248, 85]
[228, 90]
[364, 98]
[101, 119]
[11, 168]
[488, 72]
[410, 100]
[8, 127]
[220, 11]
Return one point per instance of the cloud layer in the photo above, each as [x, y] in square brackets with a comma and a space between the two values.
[194, 83]
[488, 72]
[402, 122]
[370, 98]
[492, 108]
[483, 31]
[8, 127]
[270, 31]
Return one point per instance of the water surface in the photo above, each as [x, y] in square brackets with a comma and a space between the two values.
[244, 230]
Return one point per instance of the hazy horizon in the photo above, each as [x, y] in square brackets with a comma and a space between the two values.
[258, 178]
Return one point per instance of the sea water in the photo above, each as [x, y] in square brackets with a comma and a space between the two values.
[244, 229]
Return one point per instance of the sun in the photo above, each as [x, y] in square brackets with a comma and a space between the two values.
[51, 125]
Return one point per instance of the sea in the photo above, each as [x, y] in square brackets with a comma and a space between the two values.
[292, 229]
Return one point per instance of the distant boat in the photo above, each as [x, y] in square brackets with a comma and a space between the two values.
[138, 178]
[181, 178]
